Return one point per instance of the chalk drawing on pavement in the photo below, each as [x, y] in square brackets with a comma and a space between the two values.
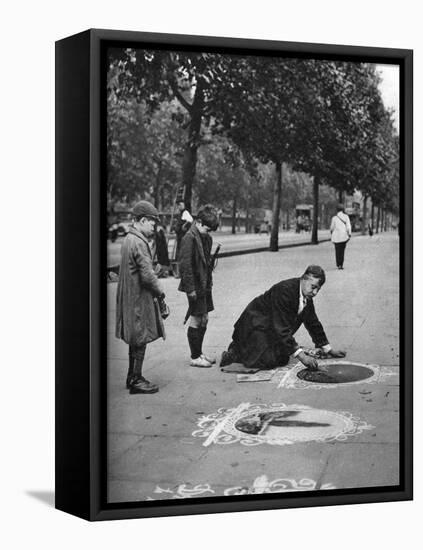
[277, 424]
[288, 378]
[260, 485]
[184, 491]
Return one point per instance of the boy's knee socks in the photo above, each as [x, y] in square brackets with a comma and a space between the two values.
[195, 339]
[202, 331]
[137, 353]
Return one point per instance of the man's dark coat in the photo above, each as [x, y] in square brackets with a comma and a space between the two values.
[264, 334]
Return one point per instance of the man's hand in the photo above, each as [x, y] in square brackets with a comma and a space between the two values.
[164, 308]
[312, 352]
[331, 354]
[308, 361]
[192, 295]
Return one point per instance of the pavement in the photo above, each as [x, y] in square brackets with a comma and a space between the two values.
[185, 440]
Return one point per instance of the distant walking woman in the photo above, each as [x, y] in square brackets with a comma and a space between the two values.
[340, 229]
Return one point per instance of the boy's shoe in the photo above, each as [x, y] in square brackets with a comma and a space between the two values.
[211, 360]
[200, 362]
[143, 386]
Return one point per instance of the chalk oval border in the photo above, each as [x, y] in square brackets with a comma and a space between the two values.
[290, 379]
[220, 428]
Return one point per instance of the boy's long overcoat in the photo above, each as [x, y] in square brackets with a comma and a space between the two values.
[137, 315]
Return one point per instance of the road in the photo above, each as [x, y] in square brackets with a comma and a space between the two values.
[230, 243]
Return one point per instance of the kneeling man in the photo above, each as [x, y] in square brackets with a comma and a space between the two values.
[263, 336]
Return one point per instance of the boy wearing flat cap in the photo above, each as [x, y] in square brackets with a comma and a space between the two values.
[195, 267]
[139, 293]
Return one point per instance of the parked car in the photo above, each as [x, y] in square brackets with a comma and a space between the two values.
[304, 215]
[119, 225]
[265, 227]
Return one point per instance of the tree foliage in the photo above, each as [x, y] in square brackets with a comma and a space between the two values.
[215, 123]
[154, 76]
[144, 149]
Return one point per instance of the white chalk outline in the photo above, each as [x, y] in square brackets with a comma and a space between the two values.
[219, 428]
[291, 381]
[260, 485]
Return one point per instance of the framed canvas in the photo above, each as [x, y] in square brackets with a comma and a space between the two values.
[233, 274]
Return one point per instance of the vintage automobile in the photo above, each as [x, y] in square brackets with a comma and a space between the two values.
[304, 215]
[355, 218]
[119, 223]
[263, 227]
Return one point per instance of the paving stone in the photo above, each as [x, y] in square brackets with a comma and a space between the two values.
[364, 465]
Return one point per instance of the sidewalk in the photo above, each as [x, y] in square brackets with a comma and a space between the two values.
[153, 453]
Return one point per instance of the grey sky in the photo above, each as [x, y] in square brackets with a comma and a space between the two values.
[389, 88]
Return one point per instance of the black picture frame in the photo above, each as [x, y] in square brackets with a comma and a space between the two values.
[80, 286]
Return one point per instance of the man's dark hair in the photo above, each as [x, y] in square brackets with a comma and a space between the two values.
[207, 215]
[314, 271]
[140, 217]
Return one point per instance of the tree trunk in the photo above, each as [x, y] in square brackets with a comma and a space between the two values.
[373, 216]
[364, 220]
[247, 213]
[341, 197]
[162, 198]
[157, 187]
[378, 219]
[234, 209]
[189, 163]
[277, 194]
[314, 232]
